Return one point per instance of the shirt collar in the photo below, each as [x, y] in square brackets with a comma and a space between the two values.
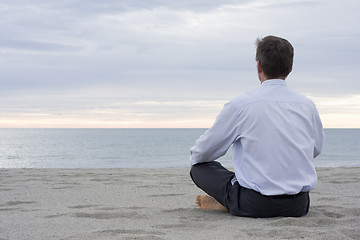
[274, 82]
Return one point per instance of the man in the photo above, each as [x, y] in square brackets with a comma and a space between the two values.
[276, 133]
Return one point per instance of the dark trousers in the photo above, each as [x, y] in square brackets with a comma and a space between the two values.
[215, 180]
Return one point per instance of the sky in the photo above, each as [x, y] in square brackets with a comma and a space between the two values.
[167, 64]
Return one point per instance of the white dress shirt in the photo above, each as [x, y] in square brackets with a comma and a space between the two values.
[276, 133]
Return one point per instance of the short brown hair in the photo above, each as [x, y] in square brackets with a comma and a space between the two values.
[275, 55]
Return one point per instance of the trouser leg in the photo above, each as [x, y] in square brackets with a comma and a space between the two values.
[213, 179]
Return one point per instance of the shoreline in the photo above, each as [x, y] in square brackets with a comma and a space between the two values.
[137, 203]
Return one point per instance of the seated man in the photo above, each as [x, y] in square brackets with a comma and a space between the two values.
[276, 133]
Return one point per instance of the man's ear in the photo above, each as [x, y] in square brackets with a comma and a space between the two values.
[259, 68]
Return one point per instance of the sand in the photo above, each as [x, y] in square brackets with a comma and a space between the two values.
[158, 204]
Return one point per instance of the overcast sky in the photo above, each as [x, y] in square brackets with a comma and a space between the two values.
[162, 63]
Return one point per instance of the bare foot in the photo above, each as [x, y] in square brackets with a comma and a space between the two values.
[207, 202]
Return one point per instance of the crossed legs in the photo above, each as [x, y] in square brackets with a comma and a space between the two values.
[215, 180]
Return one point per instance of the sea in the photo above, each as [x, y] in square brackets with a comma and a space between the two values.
[137, 148]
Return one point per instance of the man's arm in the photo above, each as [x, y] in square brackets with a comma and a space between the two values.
[216, 141]
[319, 134]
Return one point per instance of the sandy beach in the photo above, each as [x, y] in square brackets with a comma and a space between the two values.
[158, 204]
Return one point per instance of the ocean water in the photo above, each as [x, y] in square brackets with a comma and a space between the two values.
[137, 148]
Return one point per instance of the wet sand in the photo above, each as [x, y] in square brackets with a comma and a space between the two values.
[158, 204]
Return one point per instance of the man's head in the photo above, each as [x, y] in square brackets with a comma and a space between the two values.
[274, 56]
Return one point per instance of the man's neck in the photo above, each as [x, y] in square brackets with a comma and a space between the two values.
[265, 79]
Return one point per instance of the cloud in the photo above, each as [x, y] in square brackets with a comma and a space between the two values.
[35, 46]
[75, 111]
[339, 112]
[89, 52]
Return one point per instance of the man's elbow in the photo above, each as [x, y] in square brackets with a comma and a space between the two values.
[197, 157]
[316, 152]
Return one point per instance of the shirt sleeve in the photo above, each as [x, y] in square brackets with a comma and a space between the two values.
[319, 134]
[216, 141]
